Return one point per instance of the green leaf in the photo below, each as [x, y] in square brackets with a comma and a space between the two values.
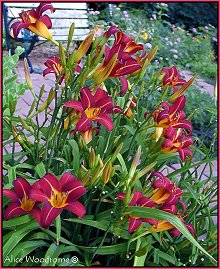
[12, 174]
[23, 249]
[40, 169]
[76, 156]
[174, 220]
[52, 253]
[17, 221]
[108, 250]
[17, 236]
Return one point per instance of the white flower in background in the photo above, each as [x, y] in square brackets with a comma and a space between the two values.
[161, 58]
[97, 12]
[163, 4]
[148, 45]
[154, 16]
[166, 38]
[167, 59]
[118, 8]
[170, 43]
[174, 50]
[175, 56]
[206, 28]
[194, 30]
[178, 40]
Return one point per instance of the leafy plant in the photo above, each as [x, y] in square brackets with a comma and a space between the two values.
[90, 185]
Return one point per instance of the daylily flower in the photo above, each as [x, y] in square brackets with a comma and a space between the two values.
[172, 115]
[95, 107]
[177, 141]
[54, 66]
[21, 202]
[58, 195]
[172, 77]
[165, 192]
[138, 200]
[34, 21]
[125, 48]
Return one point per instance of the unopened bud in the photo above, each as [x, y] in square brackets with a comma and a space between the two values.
[107, 172]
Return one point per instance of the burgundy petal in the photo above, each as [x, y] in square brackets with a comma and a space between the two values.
[43, 7]
[126, 70]
[175, 232]
[38, 195]
[120, 196]
[84, 124]
[17, 26]
[48, 214]
[151, 221]
[14, 209]
[144, 201]
[48, 183]
[48, 70]
[74, 104]
[75, 190]
[111, 31]
[136, 196]
[172, 209]
[106, 120]
[53, 60]
[183, 204]
[183, 124]
[100, 94]
[11, 194]
[36, 213]
[21, 187]
[67, 177]
[46, 20]
[87, 99]
[170, 133]
[178, 105]
[134, 224]
[105, 104]
[124, 85]
[191, 228]
[77, 208]
[182, 154]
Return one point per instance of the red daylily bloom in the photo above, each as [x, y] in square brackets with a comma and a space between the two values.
[21, 202]
[125, 48]
[58, 195]
[138, 200]
[166, 192]
[54, 66]
[172, 77]
[177, 142]
[35, 21]
[172, 115]
[95, 107]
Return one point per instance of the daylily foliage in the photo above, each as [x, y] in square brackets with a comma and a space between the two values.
[103, 145]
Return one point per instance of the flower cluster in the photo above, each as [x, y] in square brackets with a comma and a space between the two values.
[164, 196]
[96, 86]
[56, 195]
[170, 119]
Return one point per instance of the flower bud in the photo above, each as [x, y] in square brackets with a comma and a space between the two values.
[27, 74]
[106, 175]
